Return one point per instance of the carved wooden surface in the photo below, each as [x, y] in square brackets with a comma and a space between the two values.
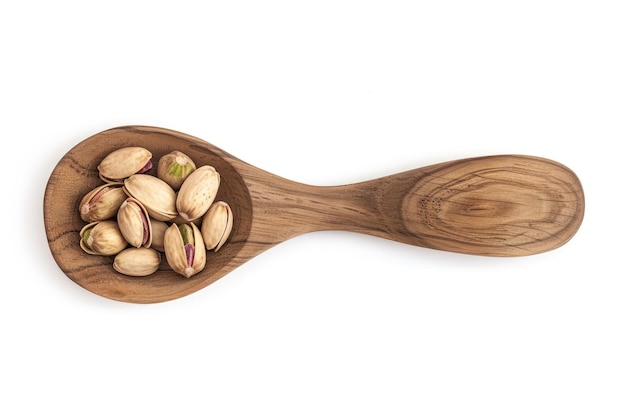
[503, 205]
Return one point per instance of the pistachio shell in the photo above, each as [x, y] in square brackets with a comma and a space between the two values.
[174, 168]
[155, 195]
[158, 234]
[217, 224]
[124, 162]
[197, 193]
[185, 252]
[179, 220]
[134, 223]
[102, 202]
[137, 262]
[102, 238]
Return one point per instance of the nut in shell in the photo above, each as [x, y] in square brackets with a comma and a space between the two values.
[124, 162]
[184, 249]
[102, 202]
[137, 262]
[134, 223]
[174, 168]
[158, 234]
[102, 238]
[197, 193]
[156, 195]
[217, 224]
[179, 220]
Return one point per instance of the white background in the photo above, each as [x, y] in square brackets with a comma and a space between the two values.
[323, 92]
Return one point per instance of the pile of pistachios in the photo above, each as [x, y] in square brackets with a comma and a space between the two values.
[137, 216]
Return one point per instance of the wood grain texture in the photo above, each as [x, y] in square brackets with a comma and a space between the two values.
[503, 205]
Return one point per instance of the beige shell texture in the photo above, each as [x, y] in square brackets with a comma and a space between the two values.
[155, 195]
[137, 262]
[134, 223]
[102, 202]
[158, 234]
[217, 224]
[102, 238]
[123, 162]
[197, 193]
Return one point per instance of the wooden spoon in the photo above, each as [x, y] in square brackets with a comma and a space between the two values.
[504, 205]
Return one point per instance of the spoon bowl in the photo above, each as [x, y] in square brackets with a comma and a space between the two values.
[500, 205]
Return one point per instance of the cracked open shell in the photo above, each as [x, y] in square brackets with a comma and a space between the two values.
[155, 195]
[102, 238]
[197, 193]
[174, 168]
[102, 202]
[184, 249]
[217, 224]
[124, 162]
[134, 223]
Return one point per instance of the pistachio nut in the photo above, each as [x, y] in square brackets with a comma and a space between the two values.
[134, 223]
[137, 262]
[102, 202]
[197, 193]
[179, 220]
[174, 168]
[158, 234]
[156, 195]
[184, 249]
[217, 224]
[102, 238]
[124, 162]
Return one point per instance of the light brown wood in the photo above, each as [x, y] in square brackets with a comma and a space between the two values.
[502, 205]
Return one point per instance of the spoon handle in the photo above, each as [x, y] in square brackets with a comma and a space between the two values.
[503, 205]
